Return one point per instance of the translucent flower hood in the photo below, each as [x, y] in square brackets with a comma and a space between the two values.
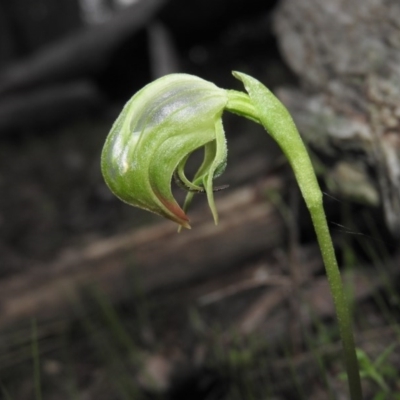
[153, 137]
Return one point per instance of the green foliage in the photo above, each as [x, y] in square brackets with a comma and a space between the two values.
[378, 371]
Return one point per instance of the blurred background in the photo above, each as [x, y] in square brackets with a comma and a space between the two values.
[99, 300]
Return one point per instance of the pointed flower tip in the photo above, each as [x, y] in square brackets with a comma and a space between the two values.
[185, 225]
[175, 213]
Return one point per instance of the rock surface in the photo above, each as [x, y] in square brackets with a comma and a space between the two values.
[347, 58]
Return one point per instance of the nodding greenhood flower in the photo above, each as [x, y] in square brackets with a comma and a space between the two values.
[153, 138]
[166, 121]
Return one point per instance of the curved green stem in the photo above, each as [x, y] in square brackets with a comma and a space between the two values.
[263, 107]
[339, 298]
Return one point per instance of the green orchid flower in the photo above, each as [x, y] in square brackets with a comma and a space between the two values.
[172, 117]
[153, 138]
[166, 121]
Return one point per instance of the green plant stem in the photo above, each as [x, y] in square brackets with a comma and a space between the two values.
[339, 298]
[262, 106]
